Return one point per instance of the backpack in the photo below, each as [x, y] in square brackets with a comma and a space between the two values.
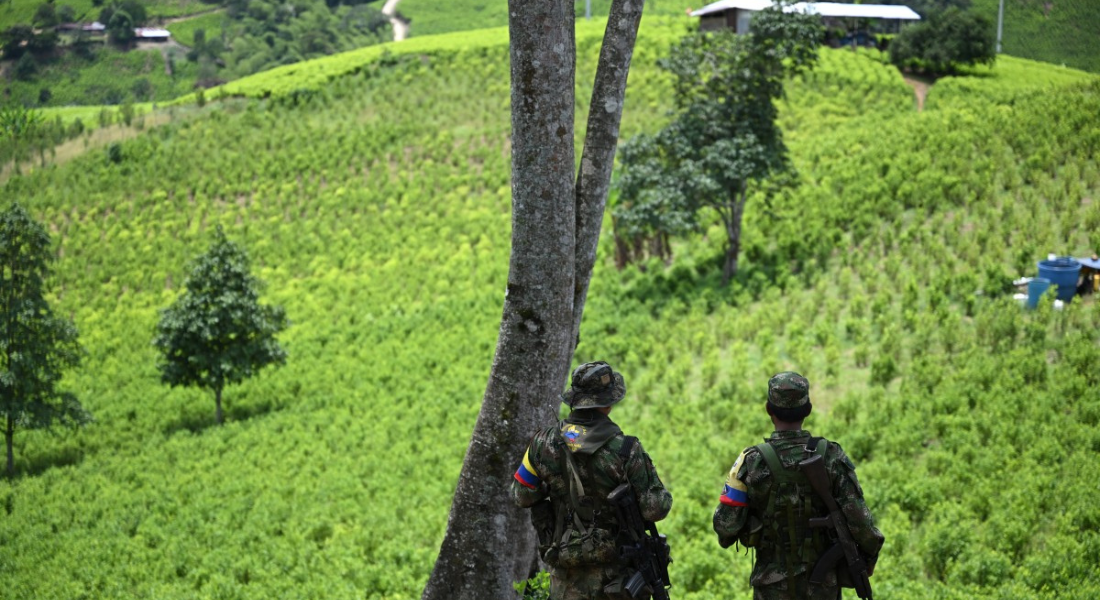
[790, 507]
[568, 535]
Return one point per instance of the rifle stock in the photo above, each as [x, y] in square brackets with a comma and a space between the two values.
[814, 469]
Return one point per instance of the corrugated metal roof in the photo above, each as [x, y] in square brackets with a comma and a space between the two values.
[724, 5]
[151, 32]
[825, 9]
[865, 11]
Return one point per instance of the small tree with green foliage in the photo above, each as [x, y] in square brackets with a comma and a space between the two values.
[217, 333]
[943, 42]
[723, 137]
[35, 345]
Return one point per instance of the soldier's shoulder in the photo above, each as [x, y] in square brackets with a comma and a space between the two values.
[544, 439]
[838, 457]
[751, 460]
[629, 445]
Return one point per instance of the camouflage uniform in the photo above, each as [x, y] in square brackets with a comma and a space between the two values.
[779, 572]
[585, 566]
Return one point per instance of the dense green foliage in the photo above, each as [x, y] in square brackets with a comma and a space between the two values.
[256, 35]
[23, 11]
[36, 346]
[373, 190]
[1062, 32]
[943, 42]
[104, 76]
[217, 333]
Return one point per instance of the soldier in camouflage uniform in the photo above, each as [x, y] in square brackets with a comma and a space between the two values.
[760, 512]
[568, 471]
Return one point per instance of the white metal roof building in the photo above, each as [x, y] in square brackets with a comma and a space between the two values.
[736, 14]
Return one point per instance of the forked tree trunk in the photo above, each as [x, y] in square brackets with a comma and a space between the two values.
[600, 141]
[489, 544]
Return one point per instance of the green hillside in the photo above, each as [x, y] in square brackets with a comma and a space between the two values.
[372, 190]
[1062, 32]
[22, 11]
[427, 17]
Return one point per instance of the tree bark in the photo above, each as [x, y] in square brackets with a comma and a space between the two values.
[489, 543]
[733, 232]
[601, 138]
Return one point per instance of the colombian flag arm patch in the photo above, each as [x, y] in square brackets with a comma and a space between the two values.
[526, 474]
[735, 493]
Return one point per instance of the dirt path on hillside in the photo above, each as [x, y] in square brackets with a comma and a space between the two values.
[920, 89]
[400, 25]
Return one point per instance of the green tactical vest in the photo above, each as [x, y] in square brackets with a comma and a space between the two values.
[790, 506]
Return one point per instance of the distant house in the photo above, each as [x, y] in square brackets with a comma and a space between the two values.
[94, 28]
[152, 34]
[737, 14]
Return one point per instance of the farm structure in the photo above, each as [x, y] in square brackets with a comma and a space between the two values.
[152, 34]
[737, 14]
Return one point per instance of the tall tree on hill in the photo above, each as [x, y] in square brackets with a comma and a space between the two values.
[556, 218]
[35, 345]
[217, 333]
[724, 138]
[940, 44]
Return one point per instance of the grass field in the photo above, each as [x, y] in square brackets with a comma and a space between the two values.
[111, 77]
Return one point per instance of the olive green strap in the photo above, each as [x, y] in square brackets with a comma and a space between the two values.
[576, 490]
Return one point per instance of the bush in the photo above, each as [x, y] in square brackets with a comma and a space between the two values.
[943, 42]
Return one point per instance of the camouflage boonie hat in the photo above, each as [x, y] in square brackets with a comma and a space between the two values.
[788, 390]
[594, 385]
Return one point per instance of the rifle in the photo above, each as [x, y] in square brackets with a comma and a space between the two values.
[846, 548]
[647, 553]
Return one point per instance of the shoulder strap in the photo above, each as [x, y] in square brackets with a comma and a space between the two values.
[627, 447]
[576, 491]
[774, 464]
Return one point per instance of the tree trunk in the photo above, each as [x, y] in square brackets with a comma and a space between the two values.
[733, 232]
[600, 141]
[489, 543]
[9, 435]
[218, 403]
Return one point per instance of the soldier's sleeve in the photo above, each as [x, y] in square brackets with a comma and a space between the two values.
[733, 505]
[527, 486]
[654, 500]
[849, 495]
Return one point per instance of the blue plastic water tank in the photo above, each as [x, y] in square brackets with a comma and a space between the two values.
[1062, 272]
[1035, 289]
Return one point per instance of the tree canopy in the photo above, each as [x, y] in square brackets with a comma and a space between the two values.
[217, 333]
[36, 346]
[943, 42]
[723, 137]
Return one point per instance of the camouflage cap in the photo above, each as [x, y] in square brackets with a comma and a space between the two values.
[594, 385]
[788, 390]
